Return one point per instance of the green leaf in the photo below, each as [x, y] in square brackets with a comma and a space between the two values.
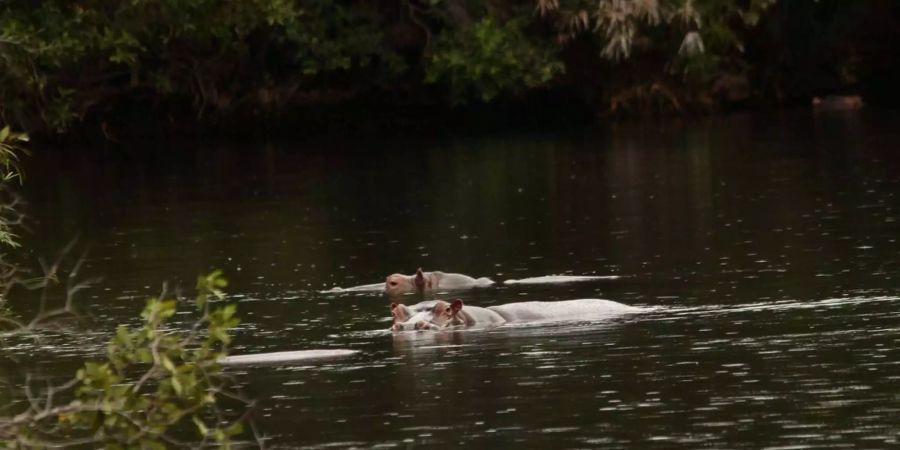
[152, 444]
[234, 429]
[201, 427]
[176, 385]
[228, 311]
[167, 363]
[221, 335]
[144, 355]
[167, 309]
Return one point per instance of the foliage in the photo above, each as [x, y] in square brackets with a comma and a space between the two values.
[65, 63]
[689, 43]
[61, 60]
[154, 380]
[10, 149]
[488, 58]
[624, 24]
[9, 217]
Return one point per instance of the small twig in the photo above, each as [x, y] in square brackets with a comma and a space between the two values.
[413, 10]
[16, 324]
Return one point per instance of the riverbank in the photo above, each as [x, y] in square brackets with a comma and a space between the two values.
[373, 118]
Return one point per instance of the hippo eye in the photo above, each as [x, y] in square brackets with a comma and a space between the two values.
[393, 283]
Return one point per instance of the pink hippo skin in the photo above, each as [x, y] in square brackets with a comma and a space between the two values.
[430, 281]
[435, 315]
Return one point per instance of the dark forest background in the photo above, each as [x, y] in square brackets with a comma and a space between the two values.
[116, 68]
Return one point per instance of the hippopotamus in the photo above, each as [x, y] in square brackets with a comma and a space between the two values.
[431, 281]
[837, 102]
[436, 315]
[285, 357]
[437, 281]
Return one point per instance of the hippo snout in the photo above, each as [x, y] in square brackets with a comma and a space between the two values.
[423, 325]
[409, 326]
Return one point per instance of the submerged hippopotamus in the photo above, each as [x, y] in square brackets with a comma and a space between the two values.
[440, 281]
[431, 281]
[435, 315]
[837, 102]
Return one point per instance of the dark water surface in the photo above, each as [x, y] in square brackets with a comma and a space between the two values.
[767, 244]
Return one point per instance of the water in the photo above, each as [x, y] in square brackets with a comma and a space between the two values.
[767, 246]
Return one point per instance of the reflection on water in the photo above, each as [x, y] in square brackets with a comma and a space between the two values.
[767, 246]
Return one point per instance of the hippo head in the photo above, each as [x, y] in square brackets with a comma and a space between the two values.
[396, 284]
[438, 316]
[406, 318]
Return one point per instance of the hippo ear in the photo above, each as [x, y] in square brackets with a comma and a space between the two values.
[456, 306]
[420, 279]
[398, 312]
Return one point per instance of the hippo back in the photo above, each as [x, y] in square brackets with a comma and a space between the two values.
[460, 281]
[588, 309]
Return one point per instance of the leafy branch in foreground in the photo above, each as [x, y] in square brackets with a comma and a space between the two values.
[10, 216]
[157, 388]
[10, 149]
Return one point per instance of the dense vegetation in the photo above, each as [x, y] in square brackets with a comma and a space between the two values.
[108, 65]
[157, 388]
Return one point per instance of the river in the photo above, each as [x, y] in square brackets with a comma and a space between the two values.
[766, 246]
